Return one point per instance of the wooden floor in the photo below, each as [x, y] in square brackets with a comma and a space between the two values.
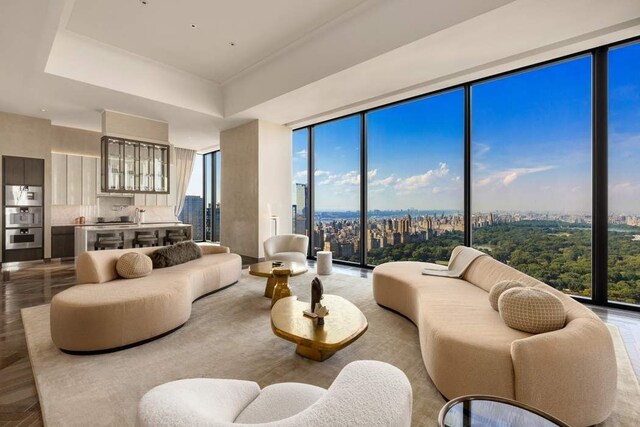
[36, 284]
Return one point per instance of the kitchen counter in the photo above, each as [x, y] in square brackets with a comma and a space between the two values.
[85, 235]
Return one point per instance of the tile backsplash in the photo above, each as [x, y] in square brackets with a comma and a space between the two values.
[111, 209]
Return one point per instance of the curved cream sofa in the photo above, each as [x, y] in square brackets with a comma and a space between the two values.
[105, 312]
[467, 349]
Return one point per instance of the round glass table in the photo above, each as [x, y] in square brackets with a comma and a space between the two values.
[493, 411]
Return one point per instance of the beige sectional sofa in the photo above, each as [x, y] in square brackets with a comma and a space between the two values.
[105, 312]
[467, 349]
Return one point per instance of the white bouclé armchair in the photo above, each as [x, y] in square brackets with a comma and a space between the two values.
[366, 393]
[286, 247]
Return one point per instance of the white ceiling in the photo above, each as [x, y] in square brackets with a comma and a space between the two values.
[295, 62]
[161, 29]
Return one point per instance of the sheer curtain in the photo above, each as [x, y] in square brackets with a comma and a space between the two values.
[184, 168]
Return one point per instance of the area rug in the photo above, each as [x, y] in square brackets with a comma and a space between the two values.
[229, 336]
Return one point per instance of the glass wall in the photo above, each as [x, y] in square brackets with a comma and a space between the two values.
[217, 185]
[336, 217]
[193, 211]
[415, 181]
[531, 172]
[624, 174]
[202, 202]
[300, 182]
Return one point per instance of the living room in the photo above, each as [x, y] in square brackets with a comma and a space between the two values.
[324, 213]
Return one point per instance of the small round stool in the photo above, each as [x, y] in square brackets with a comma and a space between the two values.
[323, 262]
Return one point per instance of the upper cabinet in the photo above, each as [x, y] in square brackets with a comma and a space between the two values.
[23, 171]
[73, 179]
[134, 167]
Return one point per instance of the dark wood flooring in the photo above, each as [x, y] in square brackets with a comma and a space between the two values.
[36, 284]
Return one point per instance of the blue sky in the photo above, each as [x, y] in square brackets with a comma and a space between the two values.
[531, 136]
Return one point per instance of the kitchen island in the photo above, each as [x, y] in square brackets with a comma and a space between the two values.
[85, 235]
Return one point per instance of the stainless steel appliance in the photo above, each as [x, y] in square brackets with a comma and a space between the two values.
[23, 238]
[17, 217]
[22, 195]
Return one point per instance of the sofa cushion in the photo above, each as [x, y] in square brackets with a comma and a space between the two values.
[134, 264]
[279, 401]
[531, 310]
[499, 288]
[177, 254]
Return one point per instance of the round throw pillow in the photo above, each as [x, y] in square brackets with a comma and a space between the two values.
[134, 264]
[531, 310]
[499, 288]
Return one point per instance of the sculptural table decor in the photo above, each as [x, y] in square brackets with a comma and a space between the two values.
[344, 325]
[265, 269]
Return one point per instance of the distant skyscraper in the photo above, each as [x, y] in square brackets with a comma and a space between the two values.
[299, 210]
[192, 214]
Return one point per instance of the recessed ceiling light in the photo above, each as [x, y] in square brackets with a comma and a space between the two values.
[232, 44]
[43, 110]
[194, 26]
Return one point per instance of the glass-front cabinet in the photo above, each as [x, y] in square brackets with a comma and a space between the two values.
[134, 167]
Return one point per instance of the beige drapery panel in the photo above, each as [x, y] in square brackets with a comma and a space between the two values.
[184, 168]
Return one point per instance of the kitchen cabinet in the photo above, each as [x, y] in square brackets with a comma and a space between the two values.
[62, 242]
[33, 171]
[23, 171]
[58, 179]
[73, 179]
[89, 180]
[129, 166]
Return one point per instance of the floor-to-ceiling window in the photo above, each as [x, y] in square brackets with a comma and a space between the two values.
[415, 154]
[193, 211]
[531, 172]
[511, 164]
[300, 182]
[336, 220]
[202, 202]
[624, 174]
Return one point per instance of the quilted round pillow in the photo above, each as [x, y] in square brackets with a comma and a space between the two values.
[133, 264]
[531, 310]
[499, 288]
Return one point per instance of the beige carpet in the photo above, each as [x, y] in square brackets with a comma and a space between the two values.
[229, 336]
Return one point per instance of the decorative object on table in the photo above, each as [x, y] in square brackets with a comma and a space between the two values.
[494, 411]
[324, 260]
[317, 310]
[277, 263]
[281, 288]
[345, 325]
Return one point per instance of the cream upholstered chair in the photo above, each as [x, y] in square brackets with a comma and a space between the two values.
[365, 393]
[287, 247]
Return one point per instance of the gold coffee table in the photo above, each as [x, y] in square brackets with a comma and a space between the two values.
[264, 269]
[344, 324]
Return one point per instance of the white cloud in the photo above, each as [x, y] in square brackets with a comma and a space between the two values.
[301, 154]
[372, 173]
[480, 149]
[349, 178]
[301, 174]
[416, 182]
[506, 177]
[383, 182]
[319, 172]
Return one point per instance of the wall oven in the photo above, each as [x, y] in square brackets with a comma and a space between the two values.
[22, 195]
[21, 217]
[23, 238]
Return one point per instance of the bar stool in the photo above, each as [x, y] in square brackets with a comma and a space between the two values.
[175, 236]
[109, 241]
[145, 238]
